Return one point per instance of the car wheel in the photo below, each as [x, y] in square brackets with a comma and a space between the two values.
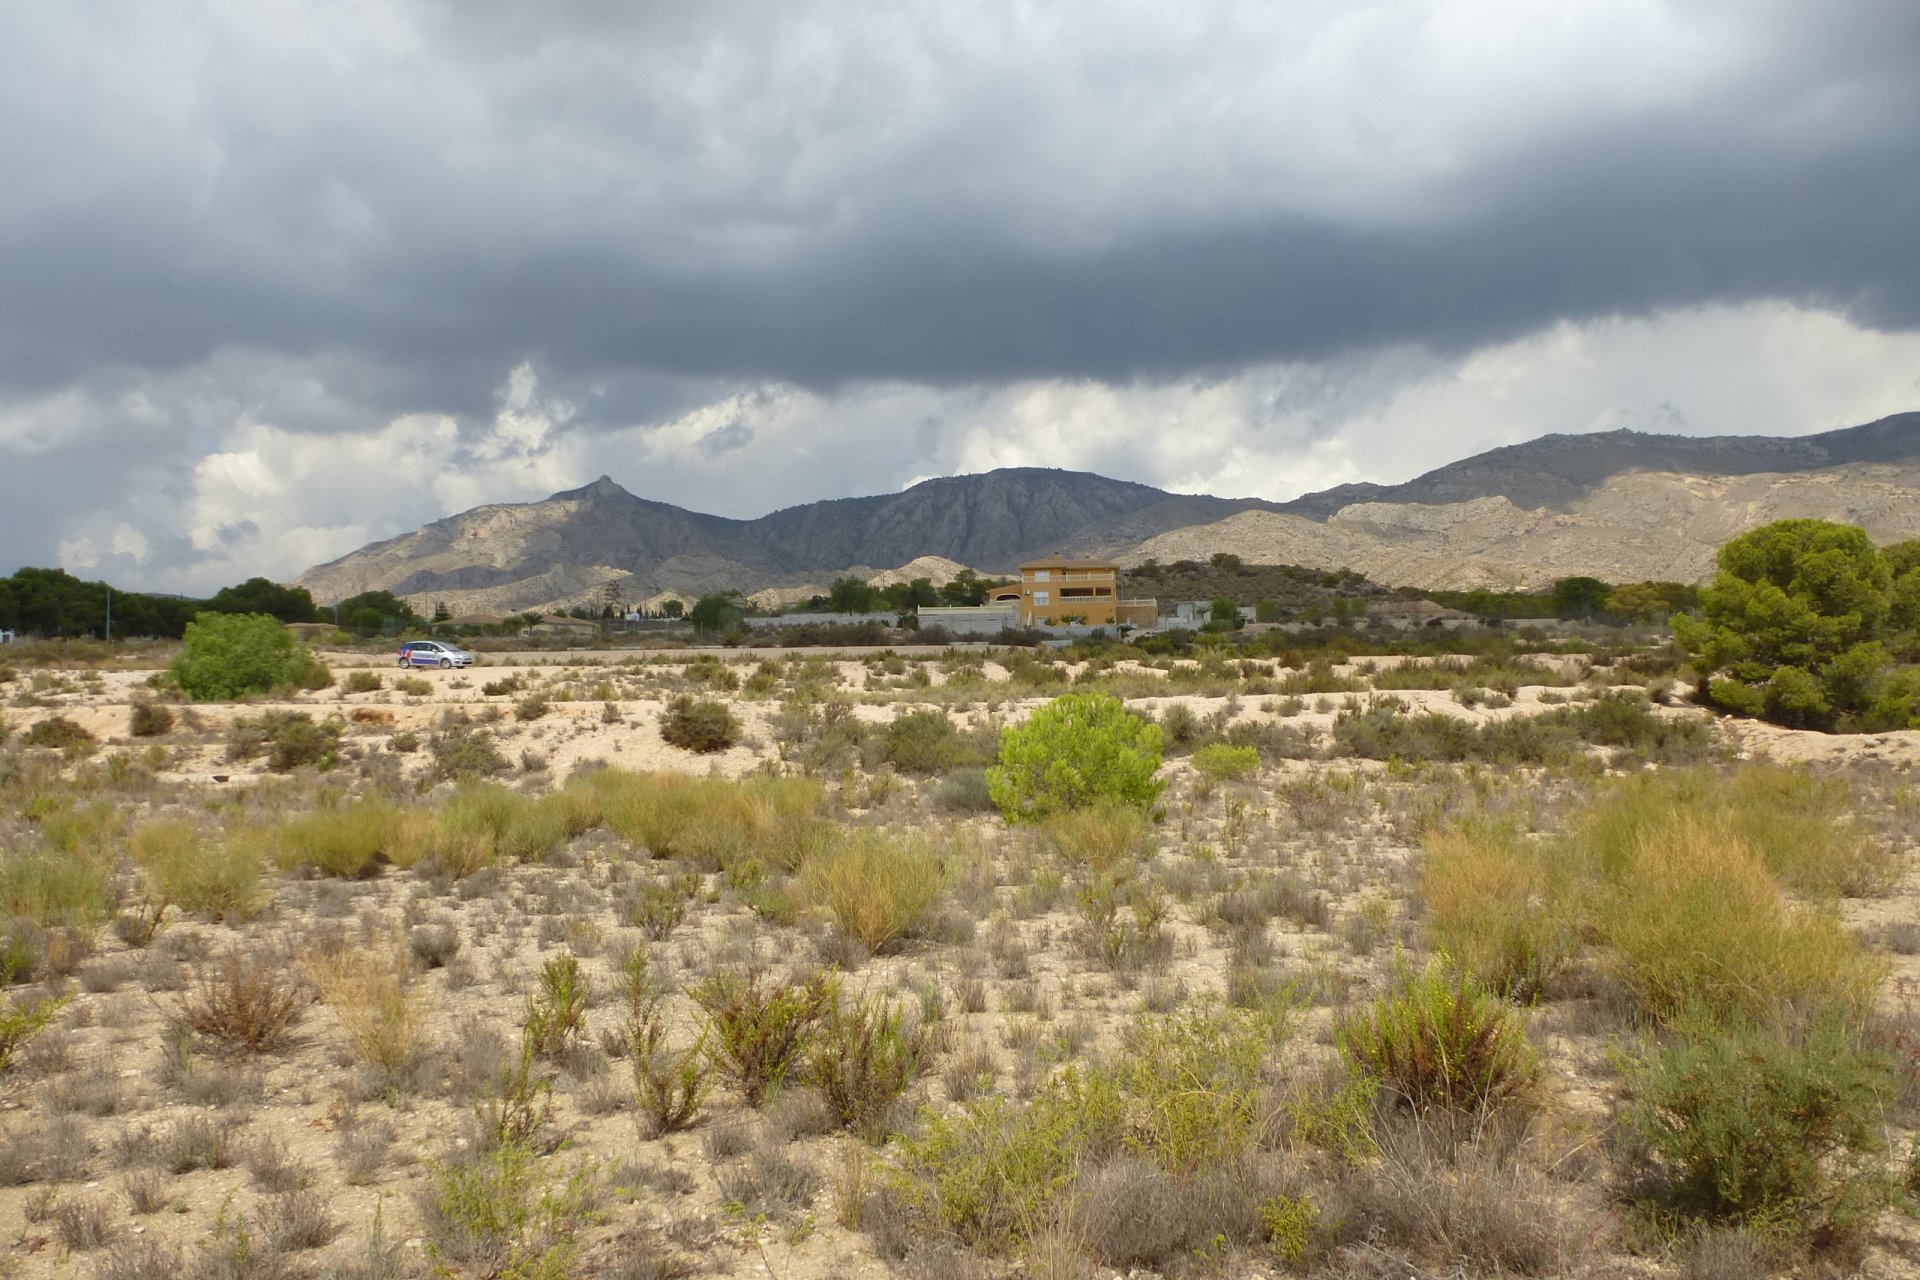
[404, 664]
[445, 663]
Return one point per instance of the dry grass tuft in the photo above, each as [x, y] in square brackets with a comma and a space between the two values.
[876, 885]
[249, 1001]
[1493, 907]
[1696, 918]
[367, 989]
[1101, 836]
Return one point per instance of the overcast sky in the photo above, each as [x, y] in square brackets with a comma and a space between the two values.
[280, 277]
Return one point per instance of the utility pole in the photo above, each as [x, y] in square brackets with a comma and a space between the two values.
[109, 613]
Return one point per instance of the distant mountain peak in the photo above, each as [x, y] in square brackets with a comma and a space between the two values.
[604, 487]
[518, 555]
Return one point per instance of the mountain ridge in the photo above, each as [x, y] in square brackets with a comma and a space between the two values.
[570, 546]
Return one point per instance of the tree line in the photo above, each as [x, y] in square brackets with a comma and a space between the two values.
[53, 602]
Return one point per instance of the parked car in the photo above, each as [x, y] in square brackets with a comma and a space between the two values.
[433, 653]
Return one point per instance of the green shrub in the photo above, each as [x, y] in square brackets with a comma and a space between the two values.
[658, 909]
[288, 740]
[58, 733]
[993, 1172]
[220, 879]
[413, 686]
[233, 655]
[351, 840]
[1181, 728]
[1183, 1107]
[21, 1021]
[364, 682]
[699, 725]
[150, 720]
[1773, 1125]
[1076, 750]
[876, 885]
[922, 742]
[864, 1056]
[1440, 1043]
[669, 1085]
[757, 1028]
[499, 1213]
[532, 707]
[964, 791]
[1122, 919]
[1194, 1083]
[465, 751]
[557, 1012]
[1219, 762]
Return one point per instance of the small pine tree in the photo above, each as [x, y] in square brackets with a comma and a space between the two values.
[1076, 750]
[232, 655]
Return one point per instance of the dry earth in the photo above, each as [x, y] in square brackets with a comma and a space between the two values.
[109, 1084]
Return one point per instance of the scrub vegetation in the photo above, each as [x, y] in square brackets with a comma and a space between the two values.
[1245, 960]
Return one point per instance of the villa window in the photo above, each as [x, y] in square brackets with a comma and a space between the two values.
[1042, 598]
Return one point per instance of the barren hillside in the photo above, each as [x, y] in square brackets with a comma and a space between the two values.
[1642, 526]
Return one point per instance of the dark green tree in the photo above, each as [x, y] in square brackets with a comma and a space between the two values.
[1223, 614]
[258, 595]
[715, 613]
[1579, 597]
[965, 589]
[371, 612]
[1790, 627]
[850, 595]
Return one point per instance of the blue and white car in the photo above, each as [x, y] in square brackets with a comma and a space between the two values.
[433, 653]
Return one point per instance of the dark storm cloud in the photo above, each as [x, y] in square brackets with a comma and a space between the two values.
[532, 190]
[323, 218]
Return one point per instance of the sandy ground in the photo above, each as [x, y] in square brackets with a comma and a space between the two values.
[674, 1192]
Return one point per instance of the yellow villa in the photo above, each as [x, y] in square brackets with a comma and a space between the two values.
[1057, 590]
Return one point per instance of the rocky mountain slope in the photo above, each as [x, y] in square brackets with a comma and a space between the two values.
[1557, 471]
[1619, 505]
[1656, 526]
[568, 547]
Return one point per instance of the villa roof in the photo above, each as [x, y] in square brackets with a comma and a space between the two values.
[1058, 561]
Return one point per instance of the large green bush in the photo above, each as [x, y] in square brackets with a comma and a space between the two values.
[1076, 750]
[1802, 624]
[1778, 1127]
[232, 655]
[699, 724]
